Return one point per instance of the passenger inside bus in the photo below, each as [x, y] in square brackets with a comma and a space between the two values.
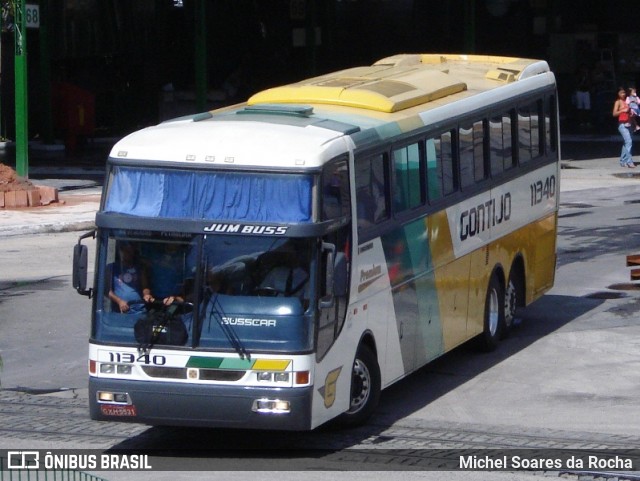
[166, 273]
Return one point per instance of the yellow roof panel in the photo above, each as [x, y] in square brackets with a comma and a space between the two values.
[379, 92]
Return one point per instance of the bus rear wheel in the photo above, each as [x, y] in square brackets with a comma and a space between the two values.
[494, 307]
[365, 388]
[512, 300]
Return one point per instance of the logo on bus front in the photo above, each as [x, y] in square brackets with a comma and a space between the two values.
[221, 228]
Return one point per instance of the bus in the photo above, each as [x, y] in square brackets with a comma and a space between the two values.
[275, 264]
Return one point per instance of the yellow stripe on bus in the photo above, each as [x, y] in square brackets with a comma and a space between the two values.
[271, 364]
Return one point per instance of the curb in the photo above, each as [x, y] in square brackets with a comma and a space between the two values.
[50, 228]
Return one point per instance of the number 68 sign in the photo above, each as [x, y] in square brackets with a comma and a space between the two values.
[32, 16]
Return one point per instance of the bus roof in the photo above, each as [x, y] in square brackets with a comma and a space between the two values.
[296, 125]
[403, 81]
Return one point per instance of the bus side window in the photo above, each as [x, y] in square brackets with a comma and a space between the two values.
[500, 144]
[508, 138]
[449, 177]
[335, 191]
[550, 131]
[371, 190]
[528, 137]
[434, 168]
[407, 186]
[471, 153]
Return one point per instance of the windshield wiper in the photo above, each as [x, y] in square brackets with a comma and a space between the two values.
[217, 313]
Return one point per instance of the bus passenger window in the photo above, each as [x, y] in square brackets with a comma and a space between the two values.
[471, 154]
[371, 190]
[465, 135]
[434, 168]
[524, 134]
[549, 124]
[536, 129]
[407, 187]
[449, 178]
[335, 191]
[496, 145]
[500, 149]
[507, 140]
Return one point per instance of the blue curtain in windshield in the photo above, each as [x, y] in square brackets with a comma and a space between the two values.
[219, 196]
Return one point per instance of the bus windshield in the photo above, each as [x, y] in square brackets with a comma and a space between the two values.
[230, 292]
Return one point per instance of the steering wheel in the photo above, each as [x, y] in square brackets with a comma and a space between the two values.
[267, 292]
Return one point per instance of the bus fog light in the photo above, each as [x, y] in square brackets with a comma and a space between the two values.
[113, 397]
[107, 368]
[271, 406]
[120, 398]
[105, 397]
[264, 376]
[281, 377]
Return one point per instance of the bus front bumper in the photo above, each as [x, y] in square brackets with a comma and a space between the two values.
[181, 404]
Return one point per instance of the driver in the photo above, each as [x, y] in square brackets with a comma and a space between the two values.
[126, 278]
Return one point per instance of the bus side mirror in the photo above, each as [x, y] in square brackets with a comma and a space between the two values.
[80, 261]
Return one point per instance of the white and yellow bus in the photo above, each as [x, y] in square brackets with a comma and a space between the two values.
[321, 241]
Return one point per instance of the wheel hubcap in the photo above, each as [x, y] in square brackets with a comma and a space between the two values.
[493, 312]
[360, 386]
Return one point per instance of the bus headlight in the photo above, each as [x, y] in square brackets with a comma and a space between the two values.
[109, 368]
[268, 376]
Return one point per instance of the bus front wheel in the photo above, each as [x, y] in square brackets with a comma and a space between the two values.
[493, 315]
[365, 388]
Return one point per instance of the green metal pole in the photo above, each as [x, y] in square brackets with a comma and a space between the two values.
[200, 14]
[22, 141]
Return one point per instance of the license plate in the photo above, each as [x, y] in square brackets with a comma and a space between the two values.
[115, 410]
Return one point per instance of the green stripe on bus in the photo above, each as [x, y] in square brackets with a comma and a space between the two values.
[219, 363]
[205, 362]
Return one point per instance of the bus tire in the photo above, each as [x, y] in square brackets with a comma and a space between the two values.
[365, 388]
[512, 300]
[493, 315]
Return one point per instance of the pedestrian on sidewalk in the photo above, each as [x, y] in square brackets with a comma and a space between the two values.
[622, 112]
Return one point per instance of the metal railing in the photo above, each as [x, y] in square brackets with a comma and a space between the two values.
[13, 474]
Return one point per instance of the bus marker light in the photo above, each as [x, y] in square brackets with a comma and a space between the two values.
[93, 367]
[302, 377]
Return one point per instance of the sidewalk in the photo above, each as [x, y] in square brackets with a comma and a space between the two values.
[589, 161]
